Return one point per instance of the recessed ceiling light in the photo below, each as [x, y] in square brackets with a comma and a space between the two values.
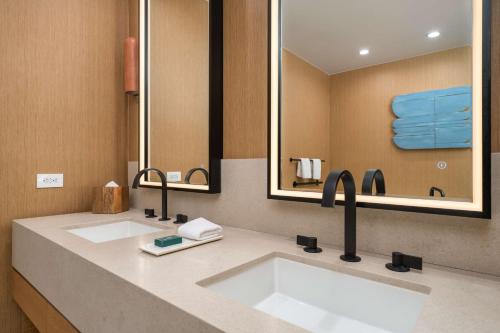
[364, 52]
[433, 34]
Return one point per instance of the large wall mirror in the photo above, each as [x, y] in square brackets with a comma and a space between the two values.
[399, 86]
[181, 93]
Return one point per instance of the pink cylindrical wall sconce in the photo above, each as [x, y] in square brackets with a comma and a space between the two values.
[130, 63]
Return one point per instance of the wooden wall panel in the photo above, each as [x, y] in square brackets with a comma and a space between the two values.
[245, 78]
[306, 117]
[361, 124]
[63, 110]
[179, 84]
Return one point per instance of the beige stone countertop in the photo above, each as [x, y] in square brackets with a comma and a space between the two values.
[458, 301]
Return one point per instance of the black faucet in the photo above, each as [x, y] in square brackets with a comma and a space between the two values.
[403, 262]
[329, 192]
[434, 189]
[135, 184]
[187, 179]
[373, 175]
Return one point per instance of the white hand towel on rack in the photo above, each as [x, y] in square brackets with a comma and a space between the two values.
[316, 168]
[199, 229]
[304, 168]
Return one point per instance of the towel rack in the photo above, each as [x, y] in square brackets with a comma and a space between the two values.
[292, 159]
[297, 184]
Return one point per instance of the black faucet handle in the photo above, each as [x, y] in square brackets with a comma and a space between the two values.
[310, 243]
[403, 262]
[181, 218]
[434, 189]
[150, 213]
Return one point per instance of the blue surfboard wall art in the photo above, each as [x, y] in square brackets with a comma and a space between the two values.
[433, 119]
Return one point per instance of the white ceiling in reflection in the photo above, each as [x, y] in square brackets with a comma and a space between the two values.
[330, 33]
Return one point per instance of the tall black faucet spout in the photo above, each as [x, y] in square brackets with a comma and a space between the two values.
[329, 193]
[164, 192]
[371, 176]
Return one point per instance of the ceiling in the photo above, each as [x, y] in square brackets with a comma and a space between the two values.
[329, 33]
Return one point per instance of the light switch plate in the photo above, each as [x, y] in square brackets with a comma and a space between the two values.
[49, 180]
[174, 176]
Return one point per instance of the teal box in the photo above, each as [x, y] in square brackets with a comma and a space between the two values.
[168, 241]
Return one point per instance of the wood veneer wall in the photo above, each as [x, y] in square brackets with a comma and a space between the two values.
[245, 79]
[63, 110]
[306, 117]
[179, 85]
[361, 119]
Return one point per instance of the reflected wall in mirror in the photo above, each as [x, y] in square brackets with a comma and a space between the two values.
[390, 85]
[179, 86]
[181, 105]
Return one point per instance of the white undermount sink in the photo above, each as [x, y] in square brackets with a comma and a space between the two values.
[319, 299]
[112, 231]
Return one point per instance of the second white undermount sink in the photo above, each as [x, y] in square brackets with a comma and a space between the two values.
[321, 300]
[112, 231]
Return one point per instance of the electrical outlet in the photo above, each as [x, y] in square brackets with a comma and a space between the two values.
[174, 176]
[49, 180]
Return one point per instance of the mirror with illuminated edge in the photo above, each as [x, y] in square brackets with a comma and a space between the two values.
[479, 207]
[215, 103]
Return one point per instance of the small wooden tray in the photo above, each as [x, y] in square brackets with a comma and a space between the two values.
[151, 248]
[110, 200]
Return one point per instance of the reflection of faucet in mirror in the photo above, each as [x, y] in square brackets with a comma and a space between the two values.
[187, 179]
[135, 184]
[373, 175]
[436, 189]
[329, 192]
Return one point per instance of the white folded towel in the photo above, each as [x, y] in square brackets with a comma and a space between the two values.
[199, 229]
[304, 168]
[316, 168]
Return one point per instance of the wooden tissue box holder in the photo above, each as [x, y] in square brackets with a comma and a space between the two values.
[110, 200]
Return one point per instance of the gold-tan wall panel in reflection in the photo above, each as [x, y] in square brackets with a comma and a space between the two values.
[346, 119]
[179, 86]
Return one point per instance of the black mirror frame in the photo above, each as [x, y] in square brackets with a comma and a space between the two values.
[485, 213]
[216, 74]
